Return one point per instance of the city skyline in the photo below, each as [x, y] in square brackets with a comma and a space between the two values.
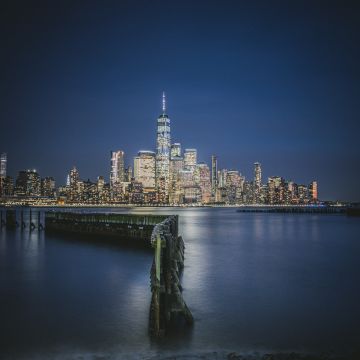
[246, 84]
[168, 175]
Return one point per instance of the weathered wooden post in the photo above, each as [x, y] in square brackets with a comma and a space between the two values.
[32, 225]
[155, 310]
[22, 218]
[39, 224]
[2, 218]
[167, 299]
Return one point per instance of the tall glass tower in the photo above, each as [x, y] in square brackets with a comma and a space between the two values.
[257, 175]
[3, 162]
[117, 173]
[257, 181]
[214, 173]
[163, 145]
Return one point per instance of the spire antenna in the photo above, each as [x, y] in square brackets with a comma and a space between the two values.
[163, 103]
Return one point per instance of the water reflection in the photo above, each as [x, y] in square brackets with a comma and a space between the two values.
[252, 281]
[32, 249]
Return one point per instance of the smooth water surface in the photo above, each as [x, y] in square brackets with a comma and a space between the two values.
[253, 282]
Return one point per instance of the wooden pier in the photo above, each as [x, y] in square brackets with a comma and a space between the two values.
[135, 229]
[158, 232]
[167, 303]
[23, 217]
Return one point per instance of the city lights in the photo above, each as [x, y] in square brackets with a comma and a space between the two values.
[166, 176]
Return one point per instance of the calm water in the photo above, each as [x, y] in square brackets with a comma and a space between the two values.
[253, 282]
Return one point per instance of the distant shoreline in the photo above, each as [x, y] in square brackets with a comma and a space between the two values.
[240, 207]
[351, 210]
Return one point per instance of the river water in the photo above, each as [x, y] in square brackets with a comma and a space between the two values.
[253, 281]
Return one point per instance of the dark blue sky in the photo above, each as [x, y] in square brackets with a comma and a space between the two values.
[276, 82]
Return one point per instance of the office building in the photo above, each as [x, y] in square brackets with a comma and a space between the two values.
[28, 184]
[3, 165]
[117, 173]
[202, 179]
[276, 190]
[48, 187]
[144, 169]
[214, 172]
[176, 165]
[163, 143]
[257, 182]
[313, 191]
[190, 159]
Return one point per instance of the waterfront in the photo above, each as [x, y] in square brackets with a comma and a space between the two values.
[254, 282]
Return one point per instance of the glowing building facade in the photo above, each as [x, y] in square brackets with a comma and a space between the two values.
[202, 179]
[214, 170]
[48, 187]
[190, 159]
[313, 188]
[144, 169]
[176, 165]
[163, 144]
[117, 173]
[3, 164]
[257, 182]
[28, 183]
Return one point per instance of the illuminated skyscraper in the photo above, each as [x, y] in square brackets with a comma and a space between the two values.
[190, 159]
[257, 174]
[188, 190]
[144, 169]
[276, 190]
[117, 173]
[222, 175]
[28, 183]
[213, 174]
[74, 176]
[257, 181]
[75, 186]
[176, 165]
[313, 189]
[234, 186]
[303, 194]
[3, 163]
[128, 174]
[163, 150]
[202, 178]
[7, 186]
[48, 187]
[100, 183]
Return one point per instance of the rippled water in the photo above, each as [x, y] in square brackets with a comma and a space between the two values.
[254, 282]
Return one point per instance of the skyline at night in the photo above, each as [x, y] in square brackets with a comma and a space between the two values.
[244, 82]
[170, 175]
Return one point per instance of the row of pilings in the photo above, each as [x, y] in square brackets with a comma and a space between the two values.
[22, 217]
[167, 303]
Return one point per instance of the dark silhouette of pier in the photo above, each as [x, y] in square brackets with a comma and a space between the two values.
[159, 232]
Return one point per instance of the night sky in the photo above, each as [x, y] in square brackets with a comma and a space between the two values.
[275, 82]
